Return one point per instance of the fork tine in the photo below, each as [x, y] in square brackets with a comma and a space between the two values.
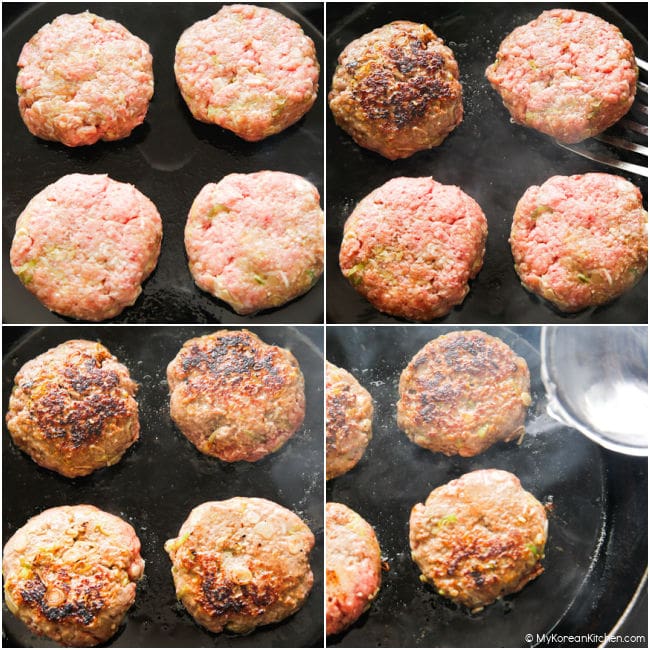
[642, 64]
[622, 143]
[627, 123]
[606, 160]
[643, 87]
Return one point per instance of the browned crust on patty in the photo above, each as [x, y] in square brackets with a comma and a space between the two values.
[234, 396]
[73, 410]
[241, 563]
[349, 420]
[396, 90]
[462, 392]
[70, 574]
[479, 537]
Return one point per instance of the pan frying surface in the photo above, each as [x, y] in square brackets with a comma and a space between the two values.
[491, 159]
[162, 477]
[596, 550]
[169, 158]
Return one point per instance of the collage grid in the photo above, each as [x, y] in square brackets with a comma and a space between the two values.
[259, 342]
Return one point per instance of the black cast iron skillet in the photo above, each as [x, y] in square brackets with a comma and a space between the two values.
[491, 159]
[169, 158]
[162, 477]
[596, 553]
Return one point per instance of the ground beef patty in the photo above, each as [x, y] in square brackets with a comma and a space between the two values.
[396, 90]
[84, 79]
[70, 574]
[580, 241]
[411, 246]
[234, 396]
[248, 69]
[72, 409]
[241, 563]
[255, 241]
[84, 245]
[462, 392]
[567, 73]
[479, 537]
[349, 420]
[353, 566]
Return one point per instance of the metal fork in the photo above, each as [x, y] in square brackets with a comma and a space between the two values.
[627, 135]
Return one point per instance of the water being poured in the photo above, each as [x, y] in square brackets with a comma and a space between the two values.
[620, 408]
[597, 382]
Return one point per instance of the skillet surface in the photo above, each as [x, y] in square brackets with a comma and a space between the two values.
[597, 548]
[162, 477]
[491, 159]
[169, 158]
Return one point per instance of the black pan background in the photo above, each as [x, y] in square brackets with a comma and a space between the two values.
[162, 477]
[491, 159]
[169, 158]
[597, 548]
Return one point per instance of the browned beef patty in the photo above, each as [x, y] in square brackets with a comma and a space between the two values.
[72, 409]
[462, 392]
[349, 420]
[479, 537]
[396, 90]
[234, 396]
[70, 574]
[241, 563]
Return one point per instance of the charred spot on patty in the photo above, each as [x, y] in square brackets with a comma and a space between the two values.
[73, 409]
[470, 354]
[337, 404]
[235, 396]
[233, 358]
[401, 88]
[91, 375]
[478, 578]
[348, 427]
[82, 603]
[223, 596]
[415, 56]
[396, 90]
[485, 553]
[79, 422]
[248, 564]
